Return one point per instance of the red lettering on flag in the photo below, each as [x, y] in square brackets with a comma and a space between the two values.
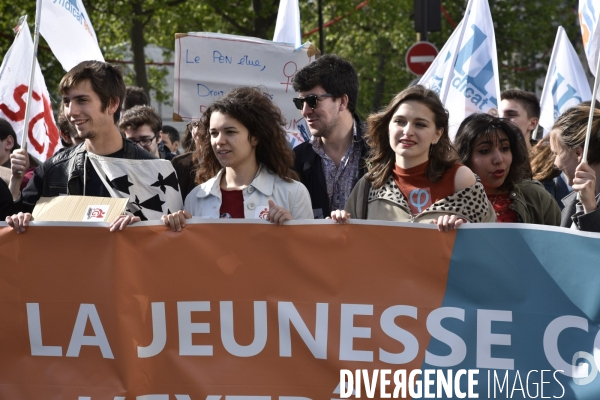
[45, 117]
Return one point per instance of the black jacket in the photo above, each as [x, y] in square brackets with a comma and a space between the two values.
[52, 177]
[309, 167]
[589, 222]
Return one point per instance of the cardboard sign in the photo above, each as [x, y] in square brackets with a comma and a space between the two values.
[208, 65]
[78, 208]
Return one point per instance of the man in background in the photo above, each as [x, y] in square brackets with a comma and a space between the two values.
[142, 125]
[170, 137]
[522, 109]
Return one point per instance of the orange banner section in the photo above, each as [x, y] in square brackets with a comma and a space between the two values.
[220, 309]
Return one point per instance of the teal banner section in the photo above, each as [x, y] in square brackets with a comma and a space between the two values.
[520, 305]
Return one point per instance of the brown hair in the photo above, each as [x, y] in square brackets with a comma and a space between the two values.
[263, 119]
[137, 116]
[188, 143]
[527, 100]
[542, 161]
[106, 80]
[382, 158]
[570, 128]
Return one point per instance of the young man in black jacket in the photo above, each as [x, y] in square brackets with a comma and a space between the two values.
[332, 161]
[93, 94]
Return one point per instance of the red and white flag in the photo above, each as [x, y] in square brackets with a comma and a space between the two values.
[43, 139]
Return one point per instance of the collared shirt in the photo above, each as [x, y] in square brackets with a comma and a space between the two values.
[340, 180]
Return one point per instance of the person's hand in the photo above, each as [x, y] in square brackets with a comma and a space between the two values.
[584, 183]
[340, 216]
[176, 220]
[18, 221]
[278, 215]
[122, 221]
[19, 163]
[448, 223]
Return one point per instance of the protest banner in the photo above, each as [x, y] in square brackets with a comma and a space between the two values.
[465, 73]
[566, 84]
[248, 310]
[208, 65]
[42, 133]
[69, 32]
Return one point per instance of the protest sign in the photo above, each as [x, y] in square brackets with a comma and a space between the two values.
[208, 65]
[226, 309]
[42, 133]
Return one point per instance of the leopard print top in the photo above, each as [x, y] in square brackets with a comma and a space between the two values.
[470, 202]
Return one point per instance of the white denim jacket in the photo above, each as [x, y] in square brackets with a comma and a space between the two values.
[205, 200]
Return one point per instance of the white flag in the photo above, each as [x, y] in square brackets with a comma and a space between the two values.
[287, 27]
[15, 72]
[67, 28]
[566, 84]
[465, 72]
[150, 185]
[590, 33]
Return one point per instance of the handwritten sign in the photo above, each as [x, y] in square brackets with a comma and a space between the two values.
[208, 65]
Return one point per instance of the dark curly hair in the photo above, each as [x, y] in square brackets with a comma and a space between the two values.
[479, 124]
[336, 75]
[254, 109]
[382, 157]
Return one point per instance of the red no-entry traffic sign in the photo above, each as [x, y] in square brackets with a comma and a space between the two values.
[420, 56]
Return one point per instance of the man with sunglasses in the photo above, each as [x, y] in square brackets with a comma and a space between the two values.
[332, 161]
[142, 125]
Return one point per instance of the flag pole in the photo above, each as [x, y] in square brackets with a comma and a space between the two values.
[588, 132]
[36, 39]
[444, 92]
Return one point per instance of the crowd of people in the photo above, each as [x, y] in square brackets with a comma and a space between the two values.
[399, 165]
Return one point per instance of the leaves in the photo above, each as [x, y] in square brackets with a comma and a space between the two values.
[374, 38]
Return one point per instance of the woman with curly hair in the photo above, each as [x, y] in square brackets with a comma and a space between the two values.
[245, 170]
[414, 173]
[495, 151]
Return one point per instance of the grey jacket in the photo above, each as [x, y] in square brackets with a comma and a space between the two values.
[589, 222]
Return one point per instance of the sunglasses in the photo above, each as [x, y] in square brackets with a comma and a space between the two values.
[312, 100]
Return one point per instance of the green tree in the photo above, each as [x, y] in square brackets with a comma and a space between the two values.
[374, 38]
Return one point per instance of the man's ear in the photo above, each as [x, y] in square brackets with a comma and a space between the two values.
[113, 105]
[344, 102]
[533, 122]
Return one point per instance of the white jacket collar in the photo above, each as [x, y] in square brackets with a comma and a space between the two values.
[264, 182]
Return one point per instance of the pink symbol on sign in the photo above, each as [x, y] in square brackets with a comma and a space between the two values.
[288, 75]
